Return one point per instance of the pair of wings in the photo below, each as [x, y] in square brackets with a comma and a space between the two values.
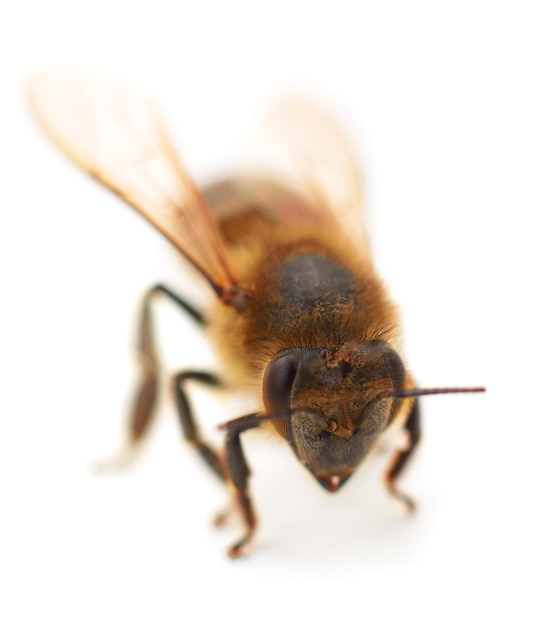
[115, 133]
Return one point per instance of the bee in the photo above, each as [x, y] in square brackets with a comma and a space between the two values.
[299, 317]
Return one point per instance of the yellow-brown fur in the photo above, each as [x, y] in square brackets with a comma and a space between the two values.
[256, 243]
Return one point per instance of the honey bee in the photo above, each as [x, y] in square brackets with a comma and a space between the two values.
[300, 318]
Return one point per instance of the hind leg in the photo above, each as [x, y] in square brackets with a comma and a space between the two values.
[145, 397]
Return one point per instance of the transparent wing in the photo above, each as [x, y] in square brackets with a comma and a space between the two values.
[115, 133]
[300, 142]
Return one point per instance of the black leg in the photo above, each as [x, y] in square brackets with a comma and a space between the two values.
[146, 394]
[174, 297]
[401, 457]
[186, 418]
[239, 473]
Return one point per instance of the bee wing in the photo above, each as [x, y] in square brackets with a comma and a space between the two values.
[301, 142]
[115, 133]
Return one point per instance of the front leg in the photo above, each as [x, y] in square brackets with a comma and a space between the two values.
[239, 474]
[401, 457]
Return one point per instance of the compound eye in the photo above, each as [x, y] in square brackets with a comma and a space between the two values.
[278, 380]
[395, 367]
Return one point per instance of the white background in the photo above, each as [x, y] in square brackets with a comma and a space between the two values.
[442, 99]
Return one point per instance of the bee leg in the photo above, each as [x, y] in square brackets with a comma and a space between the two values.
[146, 394]
[239, 473]
[401, 457]
[189, 427]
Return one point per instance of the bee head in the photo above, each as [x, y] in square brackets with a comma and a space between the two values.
[339, 400]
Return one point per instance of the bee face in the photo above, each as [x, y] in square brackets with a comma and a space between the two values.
[335, 403]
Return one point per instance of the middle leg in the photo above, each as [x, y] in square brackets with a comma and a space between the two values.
[188, 424]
